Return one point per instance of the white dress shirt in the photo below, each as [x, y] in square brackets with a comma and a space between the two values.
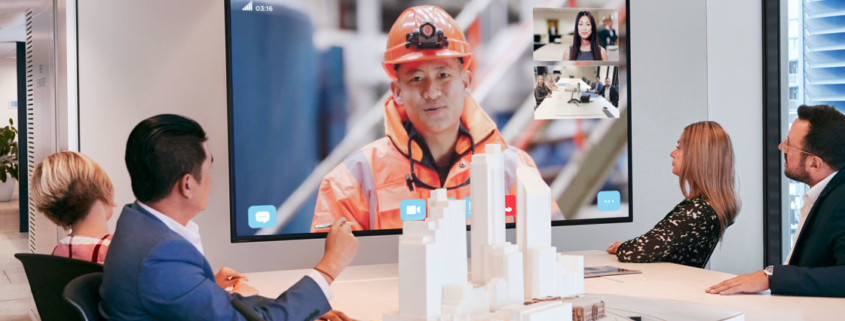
[191, 233]
[809, 200]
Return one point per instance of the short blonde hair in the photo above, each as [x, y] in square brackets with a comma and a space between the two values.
[65, 186]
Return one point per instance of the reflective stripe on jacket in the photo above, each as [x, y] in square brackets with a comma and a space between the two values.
[368, 186]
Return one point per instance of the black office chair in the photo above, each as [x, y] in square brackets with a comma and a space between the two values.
[245, 310]
[48, 275]
[84, 294]
[706, 261]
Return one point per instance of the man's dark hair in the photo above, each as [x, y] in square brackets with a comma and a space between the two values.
[826, 138]
[160, 150]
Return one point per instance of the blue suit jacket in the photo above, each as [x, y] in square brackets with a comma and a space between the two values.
[597, 87]
[152, 273]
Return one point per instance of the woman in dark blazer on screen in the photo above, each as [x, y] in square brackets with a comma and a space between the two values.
[704, 164]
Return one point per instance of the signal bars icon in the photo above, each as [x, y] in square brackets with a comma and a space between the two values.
[248, 7]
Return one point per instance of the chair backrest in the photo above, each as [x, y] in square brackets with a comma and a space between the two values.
[707, 260]
[245, 310]
[48, 275]
[84, 294]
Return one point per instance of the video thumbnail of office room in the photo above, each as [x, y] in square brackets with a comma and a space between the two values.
[570, 92]
[337, 128]
[555, 31]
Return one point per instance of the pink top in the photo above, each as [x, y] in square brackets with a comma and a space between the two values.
[84, 247]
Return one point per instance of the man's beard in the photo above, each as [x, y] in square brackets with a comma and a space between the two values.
[800, 173]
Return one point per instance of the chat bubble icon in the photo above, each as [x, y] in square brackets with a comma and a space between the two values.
[262, 216]
[609, 201]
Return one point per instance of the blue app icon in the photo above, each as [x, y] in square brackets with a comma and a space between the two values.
[468, 206]
[412, 210]
[262, 216]
[608, 201]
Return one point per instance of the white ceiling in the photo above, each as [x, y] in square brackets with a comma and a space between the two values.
[12, 20]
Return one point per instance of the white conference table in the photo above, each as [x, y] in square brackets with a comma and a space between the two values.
[557, 106]
[366, 292]
[554, 52]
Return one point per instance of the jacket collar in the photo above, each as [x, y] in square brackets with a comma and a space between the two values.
[137, 208]
[833, 184]
[473, 119]
[190, 232]
[838, 179]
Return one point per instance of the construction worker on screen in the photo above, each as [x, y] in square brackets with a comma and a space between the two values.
[432, 125]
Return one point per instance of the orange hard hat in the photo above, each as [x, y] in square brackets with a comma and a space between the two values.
[424, 33]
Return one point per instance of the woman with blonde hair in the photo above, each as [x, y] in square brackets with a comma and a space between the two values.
[541, 91]
[704, 164]
[76, 194]
[550, 83]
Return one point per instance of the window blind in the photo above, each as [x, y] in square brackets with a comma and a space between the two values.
[824, 52]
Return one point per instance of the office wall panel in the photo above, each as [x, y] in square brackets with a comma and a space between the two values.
[142, 58]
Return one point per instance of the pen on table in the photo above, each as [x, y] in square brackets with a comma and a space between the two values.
[328, 225]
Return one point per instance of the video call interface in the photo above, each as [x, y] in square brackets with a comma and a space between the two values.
[317, 132]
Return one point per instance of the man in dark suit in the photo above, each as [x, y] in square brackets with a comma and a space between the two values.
[610, 92]
[156, 269]
[607, 35]
[815, 154]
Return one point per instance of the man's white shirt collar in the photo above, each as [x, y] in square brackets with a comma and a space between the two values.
[814, 192]
[190, 232]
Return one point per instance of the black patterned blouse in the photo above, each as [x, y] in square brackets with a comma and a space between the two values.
[687, 236]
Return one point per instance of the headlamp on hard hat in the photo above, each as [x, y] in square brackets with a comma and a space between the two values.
[427, 36]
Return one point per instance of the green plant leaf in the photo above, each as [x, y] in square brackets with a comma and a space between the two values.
[8, 146]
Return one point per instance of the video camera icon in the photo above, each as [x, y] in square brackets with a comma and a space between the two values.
[412, 210]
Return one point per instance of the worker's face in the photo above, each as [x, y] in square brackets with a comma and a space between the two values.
[608, 23]
[433, 93]
[585, 28]
[540, 79]
[607, 82]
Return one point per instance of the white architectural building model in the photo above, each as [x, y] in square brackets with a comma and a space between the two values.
[433, 283]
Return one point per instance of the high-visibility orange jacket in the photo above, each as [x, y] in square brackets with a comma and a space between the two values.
[367, 186]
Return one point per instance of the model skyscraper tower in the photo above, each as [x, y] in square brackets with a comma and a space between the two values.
[488, 209]
[432, 254]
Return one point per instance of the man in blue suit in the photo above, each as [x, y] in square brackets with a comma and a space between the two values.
[156, 270]
[597, 86]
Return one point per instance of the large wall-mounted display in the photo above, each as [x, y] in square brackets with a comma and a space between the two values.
[363, 117]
